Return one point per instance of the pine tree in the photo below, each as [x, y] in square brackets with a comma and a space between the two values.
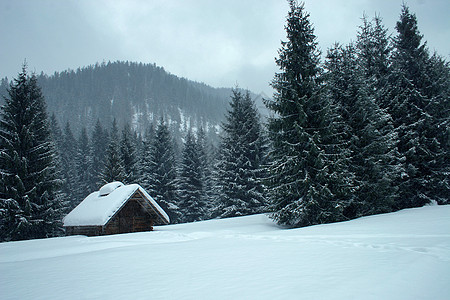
[29, 188]
[113, 165]
[98, 154]
[438, 71]
[56, 133]
[374, 52]
[83, 163]
[206, 153]
[128, 155]
[242, 154]
[308, 175]
[412, 107]
[374, 160]
[161, 175]
[191, 181]
[58, 141]
[146, 157]
[69, 170]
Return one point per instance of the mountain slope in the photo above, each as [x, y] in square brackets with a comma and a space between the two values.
[402, 255]
[130, 92]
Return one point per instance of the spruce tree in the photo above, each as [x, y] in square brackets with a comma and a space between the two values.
[128, 155]
[83, 163]
[146, 157]
[374, 159]
[29, 188]
[113, 165]
[98, 153]
[413, 108]
[308, 173]
[206, 153]
[191, 181]
[438, 71]
[374, 52]
[56, 133]
[69, 170]
[161, 173]
[242, 154]
[58, 141]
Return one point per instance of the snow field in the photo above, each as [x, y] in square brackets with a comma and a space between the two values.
[402, 255]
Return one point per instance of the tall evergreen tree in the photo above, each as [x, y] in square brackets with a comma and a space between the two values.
[113, 165]
[374, 160]
[242, 154]
[439, 108]
[98, 153]
[206, 153]
[374, 52]
[29, 188]
[161, 181]
[58, 141]
[308, 174]
[146, 157]
[56, 133]
[83, 163]
[191, 181]
[412, 107]
[69, 170]
[128, 154]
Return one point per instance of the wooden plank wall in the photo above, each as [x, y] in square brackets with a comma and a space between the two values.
[84, 230]
[131, 218]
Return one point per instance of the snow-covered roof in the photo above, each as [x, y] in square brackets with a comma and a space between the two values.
[109, 187]
[98, 208]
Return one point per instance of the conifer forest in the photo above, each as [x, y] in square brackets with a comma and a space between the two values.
[354, 130]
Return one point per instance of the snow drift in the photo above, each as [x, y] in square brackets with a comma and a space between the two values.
[402, 255]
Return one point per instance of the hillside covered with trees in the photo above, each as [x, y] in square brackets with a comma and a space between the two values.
[134, 93]
[364, 130]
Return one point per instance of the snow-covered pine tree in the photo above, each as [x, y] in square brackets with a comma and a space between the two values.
[374, 159]
[438, 71]
[56, 133]
[57, 137]
[191, 198]
[308, 175]
[139, 154]
[374, 52]
[29, 188]
[83, 162]
[146, 157]
[160, 171]
[206, 156]
[113, 165]
[69, 152]
[412, 107]
[242, 154]
[98, 153]
[128, 155]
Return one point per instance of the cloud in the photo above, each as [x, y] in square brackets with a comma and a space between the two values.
[196, 39]
[221, 42]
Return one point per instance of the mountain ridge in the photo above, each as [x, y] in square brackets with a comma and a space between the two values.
[131, 92]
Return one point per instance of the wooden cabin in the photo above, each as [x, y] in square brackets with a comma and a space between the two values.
[115, 208]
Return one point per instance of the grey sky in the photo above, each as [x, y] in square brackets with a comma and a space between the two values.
[220, 43]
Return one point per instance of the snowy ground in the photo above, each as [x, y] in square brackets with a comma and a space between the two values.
[402, 255]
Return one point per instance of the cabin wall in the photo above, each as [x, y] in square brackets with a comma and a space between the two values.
[84, 230]
[131, 218]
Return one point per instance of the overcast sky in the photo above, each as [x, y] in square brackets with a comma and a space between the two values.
[219, 42]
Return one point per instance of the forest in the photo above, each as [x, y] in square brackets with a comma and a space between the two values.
[133, 93]
[361, 130]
